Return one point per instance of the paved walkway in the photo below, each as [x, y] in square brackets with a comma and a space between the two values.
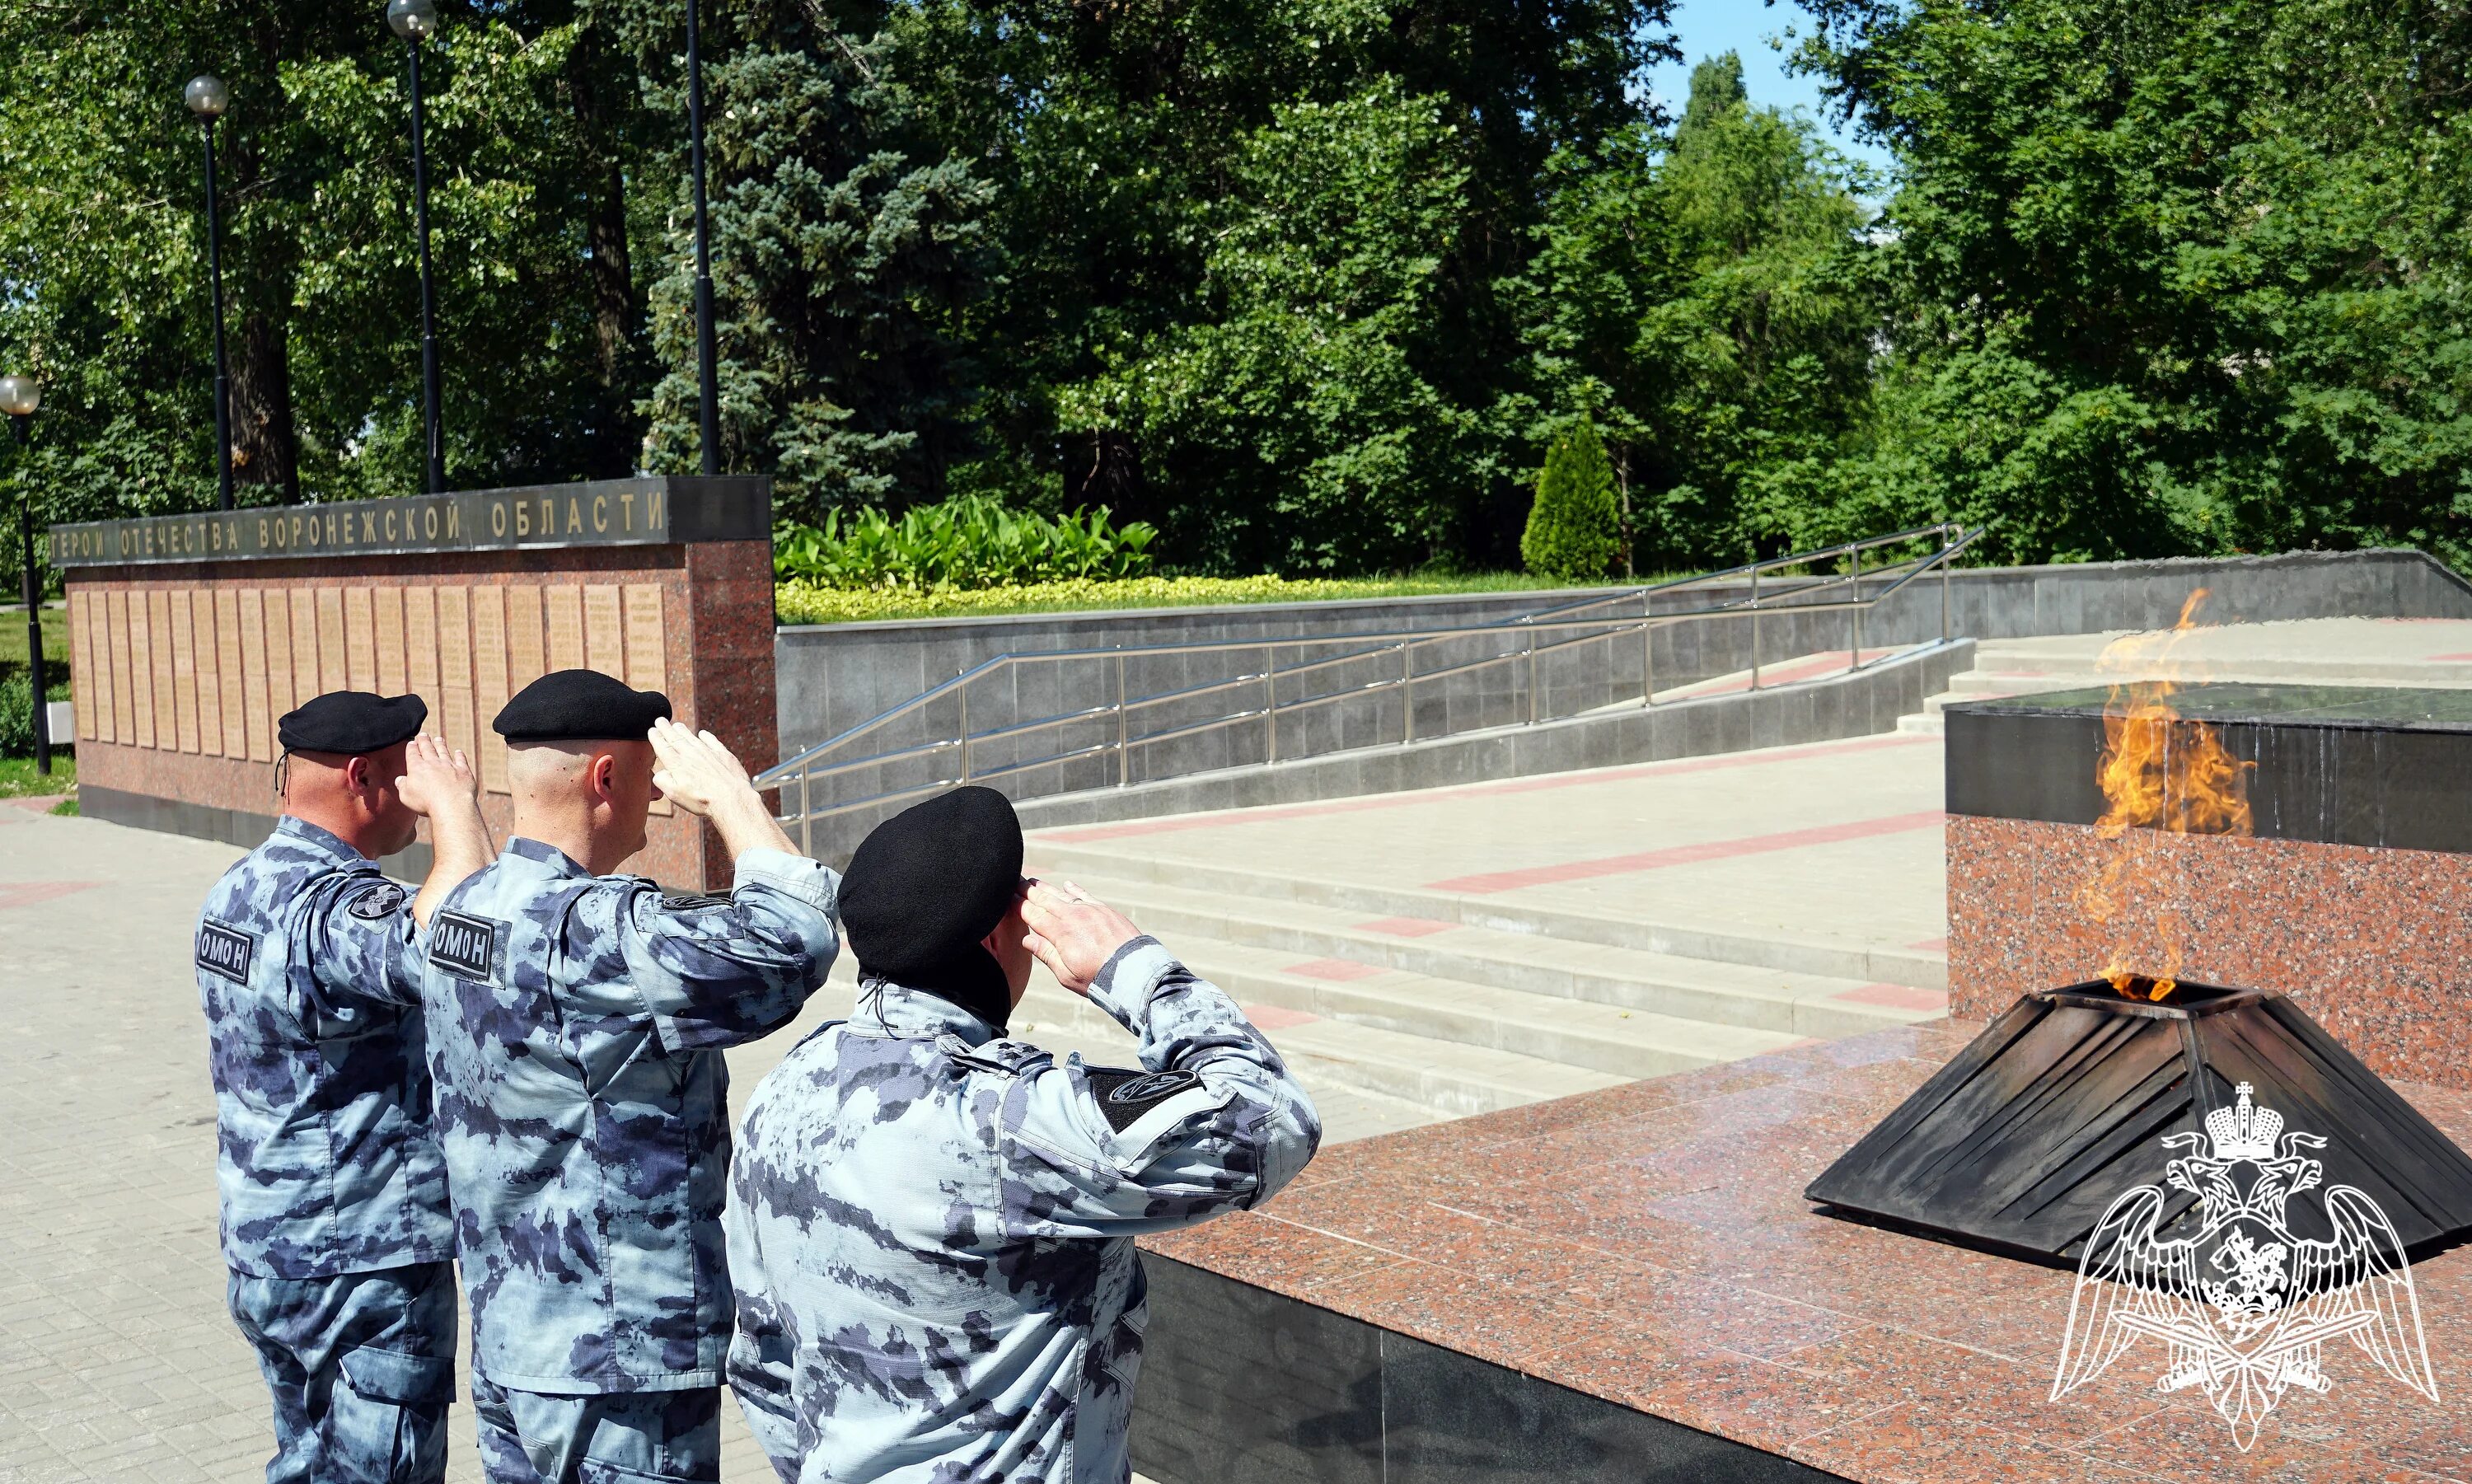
[117, 1357]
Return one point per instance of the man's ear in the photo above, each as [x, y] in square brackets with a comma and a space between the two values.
[357, 773]
[602, 772]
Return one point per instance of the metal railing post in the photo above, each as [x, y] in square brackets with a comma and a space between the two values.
[1124, 757]
[1944, 566]
[1755, 628]
[1647, 649]
[1270, 695]
[1530, 621]
[806, 812]
[964, 739]
[1406, 694]
[1854, 661]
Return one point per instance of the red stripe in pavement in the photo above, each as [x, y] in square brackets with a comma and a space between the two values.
[1930, 945]
[1275, 1018]
[1405, 927]
[1825, 662]
[25, 894]
[2450, 659]
[1646, 770]
[1897, 997]
[1688, 854]
[1333, 968]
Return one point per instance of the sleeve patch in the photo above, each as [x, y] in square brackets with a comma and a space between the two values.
[465, 945]
[226, 951]
[378, 903]
[1126, 1093]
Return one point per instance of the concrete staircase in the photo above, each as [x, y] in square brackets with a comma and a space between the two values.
[1442, 1006]
[2320, 652]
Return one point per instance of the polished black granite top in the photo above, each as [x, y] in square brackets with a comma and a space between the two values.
[2380, 708]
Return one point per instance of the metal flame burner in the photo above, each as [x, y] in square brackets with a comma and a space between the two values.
[2020, 1141]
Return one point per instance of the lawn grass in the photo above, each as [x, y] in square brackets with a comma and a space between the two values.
[18, 778]
[56, 642]
[803, 602]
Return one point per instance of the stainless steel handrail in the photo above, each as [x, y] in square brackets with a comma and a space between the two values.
[1802, 595]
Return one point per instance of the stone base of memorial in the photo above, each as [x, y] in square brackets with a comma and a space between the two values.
[2351, 896]
[190, 634]
[1630, 1285]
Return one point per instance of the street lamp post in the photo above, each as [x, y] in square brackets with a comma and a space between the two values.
[707, 377]
[208, 99]
[19, 396]
[414, 20]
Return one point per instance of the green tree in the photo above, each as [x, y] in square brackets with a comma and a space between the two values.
[846, 244]
[1574, 531]
[2179, 278]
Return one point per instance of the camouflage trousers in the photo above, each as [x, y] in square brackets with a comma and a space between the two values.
[635, 1436]
[362, 1366]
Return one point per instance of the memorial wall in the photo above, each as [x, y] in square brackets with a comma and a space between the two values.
[190, 634]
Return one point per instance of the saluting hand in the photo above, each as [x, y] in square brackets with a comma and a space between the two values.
[708, 780]
[435, 776]
[1073, 933]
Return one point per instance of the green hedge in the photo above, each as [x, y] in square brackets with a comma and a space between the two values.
[968, 541]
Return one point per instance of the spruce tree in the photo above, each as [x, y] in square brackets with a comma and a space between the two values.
[1574, 529]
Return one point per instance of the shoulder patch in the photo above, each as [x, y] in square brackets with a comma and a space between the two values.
[467, 945]
[226, 952]
[1126, 1094]
[378, 903]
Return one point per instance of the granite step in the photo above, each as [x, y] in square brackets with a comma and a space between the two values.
[1089, 863]
[1586, 1034]
[1446, 1079]
[1665, 984]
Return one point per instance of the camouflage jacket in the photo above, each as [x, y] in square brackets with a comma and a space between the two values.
[326, 1161]
[931, 1229]
[576, 1027]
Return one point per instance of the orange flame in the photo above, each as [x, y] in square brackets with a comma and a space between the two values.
[2157, 773]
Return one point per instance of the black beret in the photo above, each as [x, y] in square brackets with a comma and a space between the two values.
[351, 721]
[580, 705]
[925, 886]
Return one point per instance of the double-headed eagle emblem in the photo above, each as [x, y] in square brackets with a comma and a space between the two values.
[2245, 1306]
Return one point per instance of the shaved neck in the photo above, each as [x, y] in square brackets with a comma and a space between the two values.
[587, 799]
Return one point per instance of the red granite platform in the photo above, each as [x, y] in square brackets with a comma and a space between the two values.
[1649, 1245]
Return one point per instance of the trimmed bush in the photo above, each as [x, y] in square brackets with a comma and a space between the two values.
[968, 543]
[1575, 528]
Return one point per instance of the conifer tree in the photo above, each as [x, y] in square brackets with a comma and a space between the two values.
[1574, 529]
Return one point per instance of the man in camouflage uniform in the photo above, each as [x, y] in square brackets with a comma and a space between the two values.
[577, 1022]
[931, 1226]
[334, 1197]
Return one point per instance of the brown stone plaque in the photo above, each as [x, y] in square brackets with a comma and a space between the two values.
[80, 665]
[564, 608]
[257, 740]
[360, 639]
[420, 641]
[173, 614]
[228, 638]
[97, 681]
[455, 666]
[207, 668]
[648, 656]
[604, 631]
[334, 668]
[388, 603]
[278, 654]
[304, 645]
[523, 635]
[421, 652]
[489, 678]
[158, 654]
[142, 666]
[114, 617]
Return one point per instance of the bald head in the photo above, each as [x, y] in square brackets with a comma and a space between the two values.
[588, 798]
[352, 796]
